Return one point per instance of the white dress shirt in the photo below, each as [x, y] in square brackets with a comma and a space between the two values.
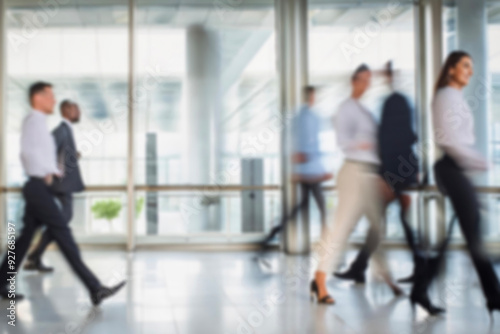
[454, 128]
[355, 125]
[38, 149]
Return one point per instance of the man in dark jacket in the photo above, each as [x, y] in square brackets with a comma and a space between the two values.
[65, 186]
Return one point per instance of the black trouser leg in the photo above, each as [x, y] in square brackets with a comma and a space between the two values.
[303, 204]
[22, 243]
[360, 264]
[40, 206]
[66, 201]
[316, 191]
[466, 205]
[409, 236]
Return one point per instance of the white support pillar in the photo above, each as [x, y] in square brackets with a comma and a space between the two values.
[472, 37]
[292, 22]
[429, 56]
[130, 141]
[203, 108]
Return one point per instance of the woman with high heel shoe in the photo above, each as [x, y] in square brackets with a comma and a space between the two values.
[454, 134]
[357, 185]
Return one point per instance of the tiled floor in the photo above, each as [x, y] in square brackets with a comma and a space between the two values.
[230, 293]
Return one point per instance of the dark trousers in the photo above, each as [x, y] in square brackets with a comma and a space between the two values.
[42, 210]
[66, 201]
[360, 264]
[305, 190]
[466, 205]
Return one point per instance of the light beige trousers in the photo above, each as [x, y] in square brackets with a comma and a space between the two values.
[358, 194]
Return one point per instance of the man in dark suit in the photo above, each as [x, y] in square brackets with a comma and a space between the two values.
[63, 187]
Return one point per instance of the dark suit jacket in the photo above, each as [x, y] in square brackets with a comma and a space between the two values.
[396, 138]
[67, 156]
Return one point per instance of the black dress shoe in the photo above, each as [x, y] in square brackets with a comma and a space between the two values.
[5, 294]
[426, 304]
[409, 279]
[103, 293]
[37, 265]
[359, 278]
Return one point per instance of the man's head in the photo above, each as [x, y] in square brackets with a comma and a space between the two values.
[310, 95]
[360, 80]
[70, 111]
[41, 97]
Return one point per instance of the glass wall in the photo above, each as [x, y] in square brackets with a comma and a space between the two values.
[205, 99]
[82, 51]
[206, 90]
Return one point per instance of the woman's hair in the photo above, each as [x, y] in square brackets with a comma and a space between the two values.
[452, 60]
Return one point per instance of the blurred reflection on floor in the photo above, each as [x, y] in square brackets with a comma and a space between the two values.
[230, 292]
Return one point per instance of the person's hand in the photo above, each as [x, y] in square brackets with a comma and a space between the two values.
[365, 146]
[299, 158]
[48, 179]
[328, 176]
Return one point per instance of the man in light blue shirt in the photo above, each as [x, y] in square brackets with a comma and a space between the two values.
[306, 128]
[308, 169]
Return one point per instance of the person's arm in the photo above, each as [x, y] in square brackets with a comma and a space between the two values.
[407, 117]
[447, 116]
[59, 135]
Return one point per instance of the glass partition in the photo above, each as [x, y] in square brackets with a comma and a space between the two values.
[205, 94]
[82, 50]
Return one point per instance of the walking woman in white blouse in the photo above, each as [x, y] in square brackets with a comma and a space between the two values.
[454, 134]
[358, 186]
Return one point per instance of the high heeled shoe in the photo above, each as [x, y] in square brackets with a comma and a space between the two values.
[315, 295]
[426, 304]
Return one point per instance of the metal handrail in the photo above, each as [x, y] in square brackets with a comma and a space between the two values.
[235, 187]
[180, 187]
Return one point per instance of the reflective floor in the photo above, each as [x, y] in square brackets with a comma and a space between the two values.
[231, 293]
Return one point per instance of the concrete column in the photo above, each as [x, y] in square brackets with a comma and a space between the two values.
[203, 69]
[429, 50]
[203, 107]
[292, 21]
[130, 130]
[472, 38]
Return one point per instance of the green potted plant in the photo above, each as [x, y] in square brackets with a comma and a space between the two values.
[107, 209]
